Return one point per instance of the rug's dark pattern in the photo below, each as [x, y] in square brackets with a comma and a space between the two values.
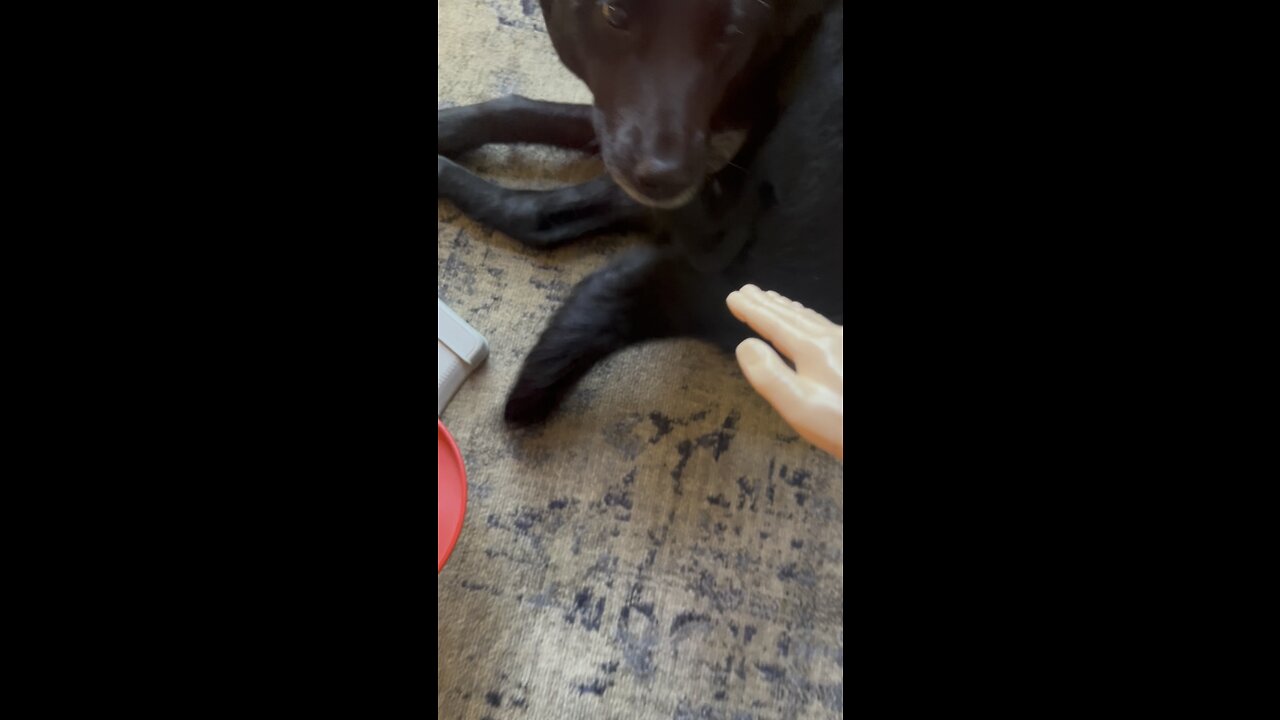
[666, 547]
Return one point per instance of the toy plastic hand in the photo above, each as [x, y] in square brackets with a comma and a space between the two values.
[811, 397]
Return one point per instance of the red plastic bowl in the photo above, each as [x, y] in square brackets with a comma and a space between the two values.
[452, 481]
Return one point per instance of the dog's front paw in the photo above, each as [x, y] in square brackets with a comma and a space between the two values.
[560, 358]
[528, 404]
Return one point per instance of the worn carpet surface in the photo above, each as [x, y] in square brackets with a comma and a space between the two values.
[665, 547]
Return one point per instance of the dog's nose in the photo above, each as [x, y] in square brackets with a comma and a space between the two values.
[660, 178]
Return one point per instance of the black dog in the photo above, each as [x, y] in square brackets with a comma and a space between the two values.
[666, 76]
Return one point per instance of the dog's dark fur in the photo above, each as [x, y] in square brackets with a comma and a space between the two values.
[774, 216]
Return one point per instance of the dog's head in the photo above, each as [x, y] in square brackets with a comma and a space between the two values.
[658, 69]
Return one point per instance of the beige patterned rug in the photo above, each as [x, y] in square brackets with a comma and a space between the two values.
[665, 547]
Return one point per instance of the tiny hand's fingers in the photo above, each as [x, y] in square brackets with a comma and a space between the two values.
[777, 384]
[811, 410]
[751, 306]
[814, 322]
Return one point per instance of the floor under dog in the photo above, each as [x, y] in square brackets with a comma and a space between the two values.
[665, 546]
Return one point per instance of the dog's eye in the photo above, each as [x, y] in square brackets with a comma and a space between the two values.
[616, 16]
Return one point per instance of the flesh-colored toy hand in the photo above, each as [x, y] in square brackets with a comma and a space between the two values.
[811, 397]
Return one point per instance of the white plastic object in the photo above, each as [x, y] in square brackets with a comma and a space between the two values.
[459, 351]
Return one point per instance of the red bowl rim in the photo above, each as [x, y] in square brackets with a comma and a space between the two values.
[457, 456]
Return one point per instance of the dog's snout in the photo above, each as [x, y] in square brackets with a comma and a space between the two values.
[660, 177]
[660, 167]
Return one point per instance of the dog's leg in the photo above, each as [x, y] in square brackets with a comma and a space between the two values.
[539, 218]
[535, 218]
[645, 294]
[514, 119]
